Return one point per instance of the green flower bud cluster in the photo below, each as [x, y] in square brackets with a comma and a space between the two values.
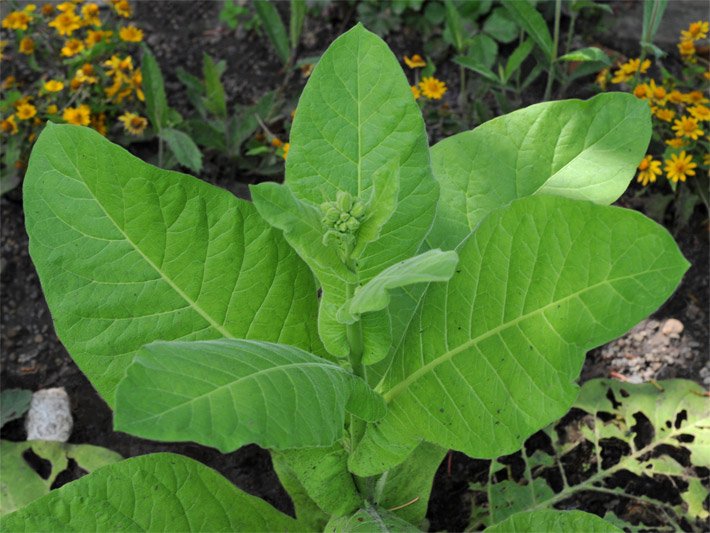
[342, 219]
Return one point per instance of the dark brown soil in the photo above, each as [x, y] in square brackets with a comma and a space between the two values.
[33, 358]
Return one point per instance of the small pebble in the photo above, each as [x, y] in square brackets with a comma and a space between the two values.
[49, 417]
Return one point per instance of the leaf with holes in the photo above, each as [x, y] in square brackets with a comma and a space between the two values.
[21, 484]
[619, 437]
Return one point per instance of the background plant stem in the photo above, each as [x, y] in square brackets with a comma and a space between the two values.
[555, 46]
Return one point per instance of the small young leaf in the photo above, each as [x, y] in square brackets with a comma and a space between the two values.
[228, 393]
[215, 99]
[157, 492]
[156, 102]
[516, 59]
[587, 54]
[183, 148]
[274, 28]
[431, 266]
[298, 15]
[500, 26]
[14, 403]
[369, 520]
[454, 25]
[553, 521]
[528, 18]
[477, 67]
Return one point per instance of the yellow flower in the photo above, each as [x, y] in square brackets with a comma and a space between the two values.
[416, 61]
[286, 148]
[695, 97]
[675, 97]
[47, 9]
[696, 31]
[687, 127]
[94, 37]
[67, 7]
[27, 46]
[122, 7]
[133, 123]
[416, 93]
[686, 49]
[602, 79]
[663, 114]
[627, 70]
[53, 86]
[276, 142]
[432, 88]
[52, 109]
[678, 167]
[26, 111]
[648, 169]
[676, 143]
[130, 34]
[9, 125]
[116, 66]
[17, 20]
[90, 12]
[72, 47]
[8, 82]
[137, 83]
[642, 91]
[700, 112]
[81, 116]
[657, 92]
[66, 23]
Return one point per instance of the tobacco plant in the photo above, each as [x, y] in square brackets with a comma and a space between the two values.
[388, 302]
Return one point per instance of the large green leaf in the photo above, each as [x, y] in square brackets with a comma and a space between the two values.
[554, 522]
[357, 124]
[128, 253]
[20, 484]
[586, 150]
[158, 492]
[230, 392]
[492, 355]
[369, 520]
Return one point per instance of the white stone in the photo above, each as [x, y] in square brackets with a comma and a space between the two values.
[672, 328]
[49, 417]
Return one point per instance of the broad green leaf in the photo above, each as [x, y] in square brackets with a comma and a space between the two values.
[274, 28]
[357, 124]
[528, 18]
[309, 516]
[215, 99]
[20, 484]
[157, 492]
[492, 355]
[578, 149]
[554, 522]
[128, 253]
[14, 403]
[231, 392]
[431, 266]
[156, 103]
[481, 50]
[406, 488]
[183, 148]
[323, 473]
[369, 520]
[587, 54]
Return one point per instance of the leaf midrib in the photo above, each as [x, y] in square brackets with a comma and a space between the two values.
[395, 391]
[238, 380]
[193, 304]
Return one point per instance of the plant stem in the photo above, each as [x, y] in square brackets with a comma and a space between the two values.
[555, 45]
[462, 88]
[160, 151]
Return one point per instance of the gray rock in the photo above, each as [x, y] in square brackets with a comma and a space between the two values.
[49, 417]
